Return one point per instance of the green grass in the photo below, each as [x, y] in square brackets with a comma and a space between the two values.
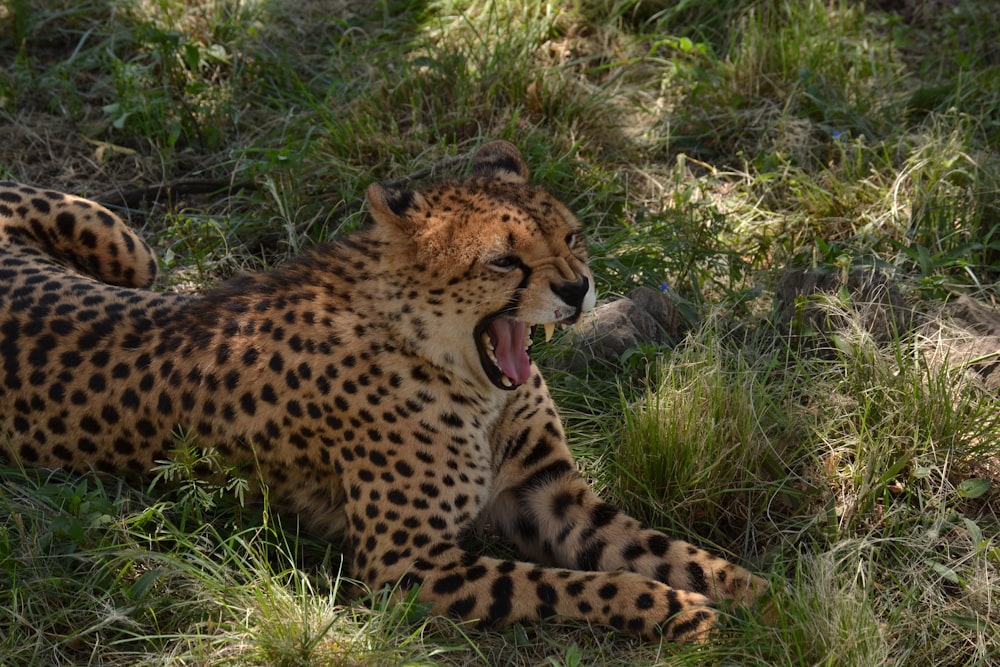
[706, 147]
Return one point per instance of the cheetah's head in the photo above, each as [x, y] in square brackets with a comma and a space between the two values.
[488, 257]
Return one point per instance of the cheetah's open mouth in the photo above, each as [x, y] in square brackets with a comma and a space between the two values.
[503, 350]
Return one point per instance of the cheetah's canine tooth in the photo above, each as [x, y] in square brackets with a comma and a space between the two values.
[550, 328]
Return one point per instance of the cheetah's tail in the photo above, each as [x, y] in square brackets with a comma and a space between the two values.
[77, 232]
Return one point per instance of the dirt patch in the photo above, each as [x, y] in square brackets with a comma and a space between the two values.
[51, 151]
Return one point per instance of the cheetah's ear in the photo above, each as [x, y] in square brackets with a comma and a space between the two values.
[392, 206]
[500, 160]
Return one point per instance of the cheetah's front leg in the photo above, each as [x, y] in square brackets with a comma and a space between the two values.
[493, 592]
[543, 505]
[406, 537]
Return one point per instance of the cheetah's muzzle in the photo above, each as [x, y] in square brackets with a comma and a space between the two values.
[503, 342]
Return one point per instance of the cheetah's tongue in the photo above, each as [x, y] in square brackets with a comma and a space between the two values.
[508, 338]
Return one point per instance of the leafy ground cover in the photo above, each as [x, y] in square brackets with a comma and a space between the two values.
[707, 147]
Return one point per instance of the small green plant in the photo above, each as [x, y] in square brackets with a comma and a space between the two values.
[173, 87]
[574, 657]
[200, 479]
[690, 249]
[84, 512]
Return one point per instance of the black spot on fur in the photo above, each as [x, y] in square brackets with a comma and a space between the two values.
[399, 201]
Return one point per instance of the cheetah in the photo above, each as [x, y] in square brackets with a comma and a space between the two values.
[380, 385]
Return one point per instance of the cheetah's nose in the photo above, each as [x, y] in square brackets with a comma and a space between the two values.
[573, 294]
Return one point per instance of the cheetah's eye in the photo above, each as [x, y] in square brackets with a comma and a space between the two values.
[571, 239]
[505, 263]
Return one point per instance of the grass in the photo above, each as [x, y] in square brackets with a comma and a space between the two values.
[706, 147]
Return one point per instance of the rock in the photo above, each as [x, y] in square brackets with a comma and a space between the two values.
[975, 315]
[977, 346]
[873, 301]
[605, 334]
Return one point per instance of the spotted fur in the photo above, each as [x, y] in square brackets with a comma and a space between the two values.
[381, 386]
